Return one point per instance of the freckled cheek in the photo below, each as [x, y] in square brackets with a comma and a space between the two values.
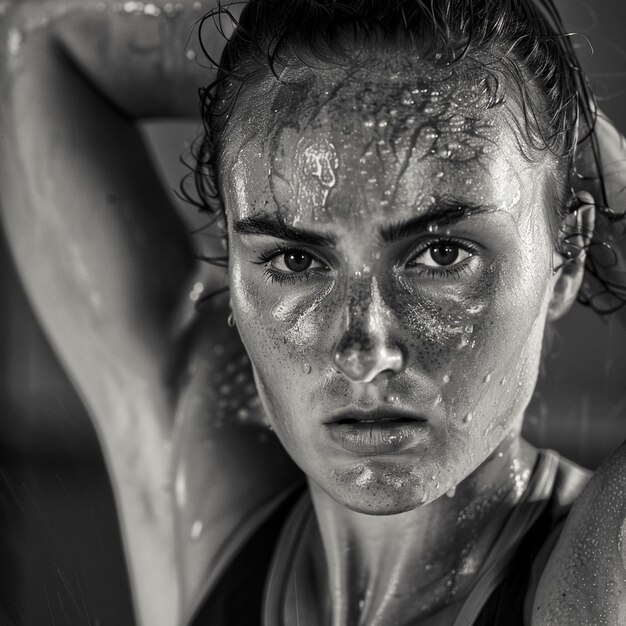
[439, 327]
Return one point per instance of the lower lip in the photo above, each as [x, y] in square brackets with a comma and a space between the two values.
[370, 438]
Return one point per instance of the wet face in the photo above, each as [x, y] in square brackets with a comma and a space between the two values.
[391, 270]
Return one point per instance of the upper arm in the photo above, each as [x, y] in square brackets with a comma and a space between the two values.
[102, 253]
[584, 581]
[103, 257]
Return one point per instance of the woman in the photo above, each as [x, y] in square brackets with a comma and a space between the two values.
[401, 228]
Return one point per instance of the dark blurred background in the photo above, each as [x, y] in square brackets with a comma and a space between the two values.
[61, 560]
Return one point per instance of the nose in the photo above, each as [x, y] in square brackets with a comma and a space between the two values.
[365, 350]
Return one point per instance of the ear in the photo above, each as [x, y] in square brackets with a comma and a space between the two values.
[569, 262]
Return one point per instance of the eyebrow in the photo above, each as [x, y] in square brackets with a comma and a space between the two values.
[441, 213]
[280, 230]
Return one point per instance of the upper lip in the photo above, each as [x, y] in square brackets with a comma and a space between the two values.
[353, 415]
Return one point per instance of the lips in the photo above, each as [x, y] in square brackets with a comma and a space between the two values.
[376, 432]
[377, 416]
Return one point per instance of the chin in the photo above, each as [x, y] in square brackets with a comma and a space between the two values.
[378, 489]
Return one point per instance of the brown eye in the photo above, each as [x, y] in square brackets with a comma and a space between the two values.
[297, 261]
[444, 253]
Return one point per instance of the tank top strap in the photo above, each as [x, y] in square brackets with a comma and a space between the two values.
[523, 517]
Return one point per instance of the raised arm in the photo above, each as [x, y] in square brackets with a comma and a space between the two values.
[104, 259]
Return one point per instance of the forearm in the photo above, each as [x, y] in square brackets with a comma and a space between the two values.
[143, 57]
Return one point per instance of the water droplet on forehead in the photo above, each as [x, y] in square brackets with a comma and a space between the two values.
[446, 378]
[468, 418]
[407, 98]
[306, 368]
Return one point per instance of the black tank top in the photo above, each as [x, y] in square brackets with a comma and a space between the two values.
[237, 599]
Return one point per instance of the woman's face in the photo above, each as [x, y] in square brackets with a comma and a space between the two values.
[391, 271]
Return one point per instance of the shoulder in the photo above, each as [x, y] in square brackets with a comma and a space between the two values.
[584, 580]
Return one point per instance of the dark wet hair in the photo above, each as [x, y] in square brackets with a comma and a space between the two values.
[521, 41]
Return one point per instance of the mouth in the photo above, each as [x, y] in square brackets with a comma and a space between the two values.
[376, 432]
[382, 417]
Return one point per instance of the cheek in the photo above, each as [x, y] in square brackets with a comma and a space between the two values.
[285, 334]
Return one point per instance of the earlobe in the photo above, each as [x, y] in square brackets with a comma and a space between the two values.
[569, 261]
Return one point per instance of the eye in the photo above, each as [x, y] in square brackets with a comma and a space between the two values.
[441, 254]
[295, 262]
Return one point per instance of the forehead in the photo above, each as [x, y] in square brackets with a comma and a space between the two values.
[371, 137]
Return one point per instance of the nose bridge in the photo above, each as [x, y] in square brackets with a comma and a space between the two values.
[364, 349]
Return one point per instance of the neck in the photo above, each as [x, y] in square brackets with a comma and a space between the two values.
[373, 568]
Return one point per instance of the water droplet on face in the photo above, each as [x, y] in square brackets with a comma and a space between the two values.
[196, 530]
[469, 329]
[451, 492]
[503, 382]
[468, 418]
[306, 368]
[446, 379]
[487, 378]
[196, 292]
[392, 399]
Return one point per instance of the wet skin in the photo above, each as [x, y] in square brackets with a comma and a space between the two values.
[390, 248]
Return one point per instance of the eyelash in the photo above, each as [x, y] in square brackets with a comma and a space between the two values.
[454, 271]
[275, 276]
